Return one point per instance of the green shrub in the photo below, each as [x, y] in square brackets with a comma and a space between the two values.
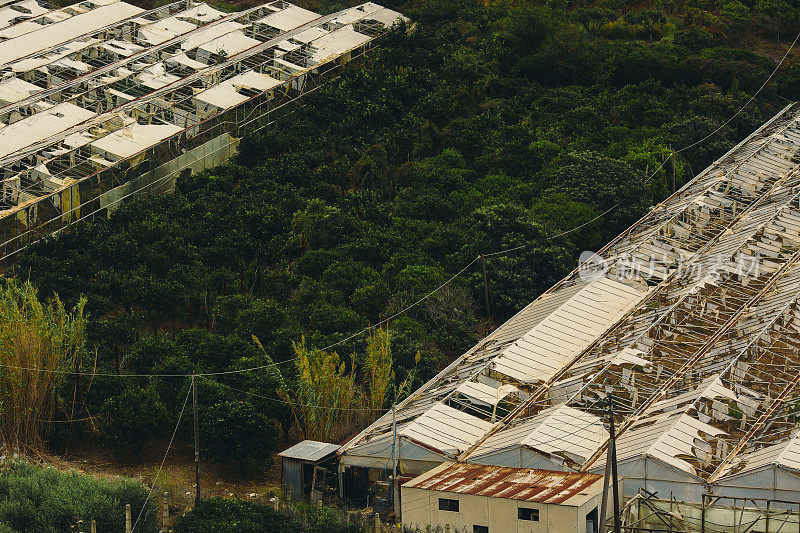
[46, 500]
[238, 516]
[235, 433]
[133, 419]
[694, 38]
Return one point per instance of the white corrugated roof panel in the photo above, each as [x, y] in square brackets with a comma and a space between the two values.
[208, 34]
[15, 89]
[26, 8]
[784, 454]
[202, 13]
[567, 431]
[60, 32]
[134, 138]
[565, 333]
[31, 63]
[231, 43]
[40, 126]
[558, 430]
[309, 35]
[336, 43]
[164, 30]
[446, 429]
[309, 450]
[386, 16]
[226, 94]
[485, 394]
[289, 18]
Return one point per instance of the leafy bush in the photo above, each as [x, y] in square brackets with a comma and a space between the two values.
[238, 516]
[235, 433]
[694, 38]
[46, 500]
[133, 419]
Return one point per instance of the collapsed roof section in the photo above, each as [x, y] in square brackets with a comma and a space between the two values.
[687, 323]
[92, 87]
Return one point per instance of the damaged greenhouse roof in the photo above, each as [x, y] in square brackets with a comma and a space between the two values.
[689, 322]
[122, 81]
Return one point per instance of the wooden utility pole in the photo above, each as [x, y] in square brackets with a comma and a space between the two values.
[614, 479]
[196, 439]
[486, 290]
[610, 477]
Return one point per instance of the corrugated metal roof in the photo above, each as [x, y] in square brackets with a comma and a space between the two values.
[446, 429]
[566, 332]
[559, 430]
[310, 450]
[523, 484]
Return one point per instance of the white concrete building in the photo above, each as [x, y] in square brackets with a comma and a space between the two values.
[490, 499]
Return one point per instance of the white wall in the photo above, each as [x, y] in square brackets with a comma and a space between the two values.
[420, 508]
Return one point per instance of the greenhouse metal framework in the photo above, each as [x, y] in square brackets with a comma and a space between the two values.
[101, 99]
[688, 323]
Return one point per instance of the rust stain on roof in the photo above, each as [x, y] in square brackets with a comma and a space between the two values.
[524, 484]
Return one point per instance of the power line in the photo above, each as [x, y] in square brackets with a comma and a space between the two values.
[287, 402]
[450, 280]
[153, 486]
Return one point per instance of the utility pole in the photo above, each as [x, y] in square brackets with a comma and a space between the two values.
[196, 439]
[614, 480]
[486, 290]
[395, 453]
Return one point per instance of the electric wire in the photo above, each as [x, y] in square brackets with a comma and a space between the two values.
[172, 438]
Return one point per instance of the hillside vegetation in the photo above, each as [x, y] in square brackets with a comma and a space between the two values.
[488, 127]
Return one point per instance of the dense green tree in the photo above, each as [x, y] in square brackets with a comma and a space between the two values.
[236, 433]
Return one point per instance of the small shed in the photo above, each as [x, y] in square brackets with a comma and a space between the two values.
[490, 499]
[300, 465]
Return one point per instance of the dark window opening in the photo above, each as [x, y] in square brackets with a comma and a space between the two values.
[526, 513]
[448, 505]
[591, 521]
[480, 529]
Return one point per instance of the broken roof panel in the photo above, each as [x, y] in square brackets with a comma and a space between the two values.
[234, 91]
[134, 138]
[288, 19]
[569, 330]
[40, 126]
[446, 429]
[60, 32]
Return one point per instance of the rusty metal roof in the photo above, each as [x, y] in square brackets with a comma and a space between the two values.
[524, 484]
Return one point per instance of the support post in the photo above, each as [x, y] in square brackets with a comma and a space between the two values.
[395, 453]
[196, 439]
[165, 512]
[614, 478]
[604, 503]
[703, 513]
[128, 524]
[93, 527]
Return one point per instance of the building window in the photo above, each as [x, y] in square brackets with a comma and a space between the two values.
[448, 505]
[480, 529]
[526, 513]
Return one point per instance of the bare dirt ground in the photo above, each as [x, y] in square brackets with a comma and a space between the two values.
[177, 476]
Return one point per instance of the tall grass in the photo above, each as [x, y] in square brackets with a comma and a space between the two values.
[377, 371]
[323, 392]
[38, 340]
